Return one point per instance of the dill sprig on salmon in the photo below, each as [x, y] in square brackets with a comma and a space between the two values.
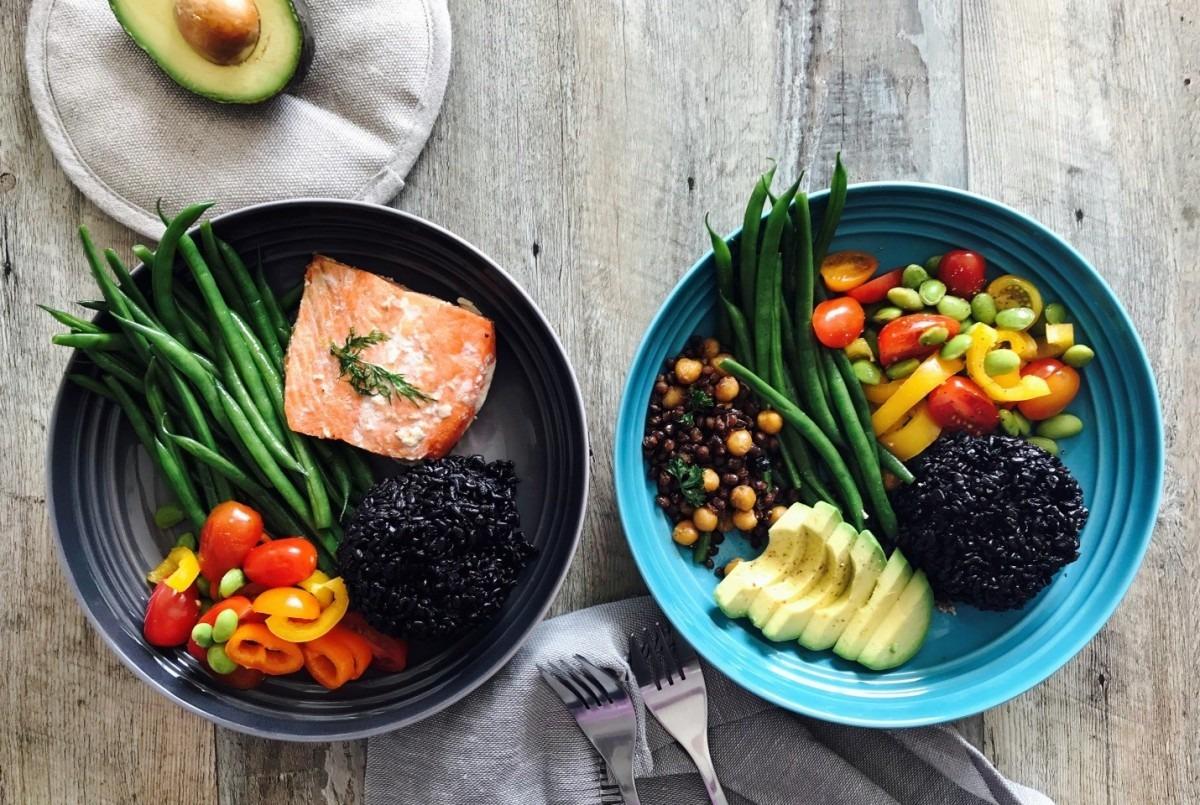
[369, 379]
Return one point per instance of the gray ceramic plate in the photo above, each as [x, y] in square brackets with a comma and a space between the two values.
[102, 489]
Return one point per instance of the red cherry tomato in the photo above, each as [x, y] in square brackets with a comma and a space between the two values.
[281, 562]
[962, 271]
[876, 290]
[900, 339]
[959, 404]
[1063, 382]
[170, 615]
[240, 604]
[390, 653]
[229, 533]
[837, 322]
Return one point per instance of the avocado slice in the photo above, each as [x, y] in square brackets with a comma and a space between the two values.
[902, 632]
[895, 577]
[789, 620]
[806, 568]
[738, 590]
[867, 562]
[275, 55]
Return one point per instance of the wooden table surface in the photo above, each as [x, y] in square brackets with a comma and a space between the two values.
[580, 145]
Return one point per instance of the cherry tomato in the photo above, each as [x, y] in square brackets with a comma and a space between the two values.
[900, 339]
[962, 271]
[239, 604]
[842, 271]
[390, 653]
[837, 322]
[1063, 382]
[959, 404]
[876, 290]
[170, 615]
[229, 533]
[281, 562]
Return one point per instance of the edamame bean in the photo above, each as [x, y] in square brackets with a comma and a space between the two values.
[859, 350]
[934, 336]
[202, 633]
[219, 661]
[905, 299]
[903, 368]
[983, 308]
[1078, 356]
[932, 291]
[231, 582]
[867, 373]
[932, 264]
[913, 276]
[186, 541]
[954, 307]
[956, 347]
[966, 324]
[1014, 423]
[1015, 318]
[168, 516]
[886, 314]
[1063, 426]
[1001, 362]
[224, 626]
[1055, 313]
[1049, 445]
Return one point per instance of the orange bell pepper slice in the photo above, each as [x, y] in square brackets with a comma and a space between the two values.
[253, 646]
[929, 375]
[330, 660]
[304, 630]
[983, 338]
[289, 602]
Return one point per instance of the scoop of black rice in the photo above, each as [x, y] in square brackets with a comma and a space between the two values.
[435, 549]
[990, 519]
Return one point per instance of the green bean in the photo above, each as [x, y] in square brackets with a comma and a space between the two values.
[108, 342]
[741, 332]
[162, 275]
[125, 279]
[173, 351]
[834, 205]
[118, 369]
[288, 299]
[338, 474]
[91, 384]
[283, 330]
[196, 331]
[117, 301]
[74, 322]
[748, 244]
[361, 473]
[230, 291]
[770, 266]
[858, 398]
[94, 304]
[143, 253]
[811, 432]
[258, 316]
[798, 450]
[790, 470]
[862, 446]
[700, 549]
[217, 488]
[270, 432]
[723, 261]
[160, 421]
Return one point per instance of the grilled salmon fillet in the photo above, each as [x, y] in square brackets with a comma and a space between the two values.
[445, 351]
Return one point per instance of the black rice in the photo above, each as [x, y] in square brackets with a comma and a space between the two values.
[989, 519]
[435, 549]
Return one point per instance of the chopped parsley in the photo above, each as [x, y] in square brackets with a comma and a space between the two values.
[368, 379]
[699, 399]
[690, 479]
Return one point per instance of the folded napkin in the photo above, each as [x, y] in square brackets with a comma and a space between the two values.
[513, 741]
[127, 135]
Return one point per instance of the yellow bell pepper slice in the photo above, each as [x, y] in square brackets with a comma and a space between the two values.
[315, 584]
[179, 570]
[1009, 379]
[1019, 342]
[880, 392]
[1059, 338]
[933, 372]
[302, 631]
[983, 338]
[910, 439]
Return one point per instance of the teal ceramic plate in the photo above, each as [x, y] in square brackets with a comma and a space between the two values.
[972, 660]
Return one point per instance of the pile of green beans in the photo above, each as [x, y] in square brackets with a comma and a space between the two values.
[765, 299]
[196, 365]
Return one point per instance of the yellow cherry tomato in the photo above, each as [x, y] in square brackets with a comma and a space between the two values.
[1012, 291]
[288, 602]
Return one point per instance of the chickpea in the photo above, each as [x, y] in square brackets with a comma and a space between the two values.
[727, 389]
[770, 422]
[745, 521]
[739, 442]
[673, 397]
[711, 480]
[685, 533]
[687, 370]
[715, 362]
[711, 348]
[704, 518]
[775, 513]
[734, 562]
[743, 498]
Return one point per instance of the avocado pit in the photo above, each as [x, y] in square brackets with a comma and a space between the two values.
[222, 31]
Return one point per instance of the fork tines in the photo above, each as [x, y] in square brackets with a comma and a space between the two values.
[658, 658]
[587, 685]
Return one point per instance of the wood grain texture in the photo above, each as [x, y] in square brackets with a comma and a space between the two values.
[580, 145]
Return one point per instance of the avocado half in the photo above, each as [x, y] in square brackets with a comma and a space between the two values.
[279, 57]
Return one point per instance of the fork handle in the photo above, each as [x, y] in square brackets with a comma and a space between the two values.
[698, 750]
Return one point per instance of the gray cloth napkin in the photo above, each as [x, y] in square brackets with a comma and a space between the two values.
[126, 135]
[513, 741]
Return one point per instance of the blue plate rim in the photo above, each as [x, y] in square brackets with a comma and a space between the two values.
[631, 411]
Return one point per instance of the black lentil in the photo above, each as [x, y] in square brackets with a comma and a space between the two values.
[990, 519]
[435, 549]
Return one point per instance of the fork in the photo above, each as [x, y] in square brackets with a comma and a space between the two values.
[668, 673]
[603, 711]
